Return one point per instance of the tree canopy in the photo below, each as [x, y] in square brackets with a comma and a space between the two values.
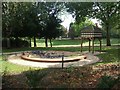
[40, 19]
[105, 11]
[31, 19]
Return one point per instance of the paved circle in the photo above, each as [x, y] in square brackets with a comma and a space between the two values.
[91, 58]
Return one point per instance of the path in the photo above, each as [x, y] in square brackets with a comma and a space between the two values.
[91, 58]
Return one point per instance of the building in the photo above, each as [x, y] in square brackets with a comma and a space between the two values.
[91, 33]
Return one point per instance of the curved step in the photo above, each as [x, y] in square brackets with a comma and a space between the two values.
[54, 60]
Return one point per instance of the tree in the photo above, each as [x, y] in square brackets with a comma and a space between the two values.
[22, 20]
[100, 10]
[28, 19]
[105, 12]
[64, 31]
[79, 10]
[8, 13]
[71, 33]
[78, 26]
[51, 22]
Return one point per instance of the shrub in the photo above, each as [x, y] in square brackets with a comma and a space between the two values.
[34, 77]
[70, 69]
[15, 43]
[4, 79]
[106, 82]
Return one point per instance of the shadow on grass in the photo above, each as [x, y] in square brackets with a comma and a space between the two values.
[32, 79]
[55, 78]
[111, 56]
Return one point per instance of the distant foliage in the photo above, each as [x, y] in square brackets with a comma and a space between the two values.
[20, 43]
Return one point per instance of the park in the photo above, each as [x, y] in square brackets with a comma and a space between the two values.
[39, 52]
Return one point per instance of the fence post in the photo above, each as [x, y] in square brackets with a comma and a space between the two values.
[62, 61]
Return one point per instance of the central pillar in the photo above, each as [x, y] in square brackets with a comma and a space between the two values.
[92, 45]
[89, 44]
[100, 45]
[81, 43]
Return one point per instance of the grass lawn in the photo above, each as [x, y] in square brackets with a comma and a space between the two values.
[111, 56]
[114, 41]
[10, 68]
[41, 45]
[40, 42]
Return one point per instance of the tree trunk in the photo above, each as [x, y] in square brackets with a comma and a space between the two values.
[16, 42]
[46, 44]
[30, 41]
[50, 43]
[108, 35]
[34, 41]
[8, 43]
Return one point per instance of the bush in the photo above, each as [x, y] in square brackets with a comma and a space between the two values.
[15, 43]
[107, 82]
[4, 79]
[34, 77]
[70, 69]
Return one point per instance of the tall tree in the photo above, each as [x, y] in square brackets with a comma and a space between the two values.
[28, 19]
[21, 20]
[51, 21]
[105, 11]
[100, 10]
[78, 26]
[71, 33]
[8, 14]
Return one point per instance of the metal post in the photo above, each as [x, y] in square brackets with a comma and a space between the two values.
[93, 45]
[100, 45]
[8, 43]
[62, 61]
[81, 43]
[89, 45]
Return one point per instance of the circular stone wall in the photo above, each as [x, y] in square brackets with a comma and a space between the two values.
[52, 56]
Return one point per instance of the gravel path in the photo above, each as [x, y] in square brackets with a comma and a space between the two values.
[91, 58]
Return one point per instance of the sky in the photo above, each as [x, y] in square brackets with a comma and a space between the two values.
[67, 19]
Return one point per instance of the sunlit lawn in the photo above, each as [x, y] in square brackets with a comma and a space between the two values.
[12, 68]
[114, 41]
[41, 45]
[111, 56]
[40, 42]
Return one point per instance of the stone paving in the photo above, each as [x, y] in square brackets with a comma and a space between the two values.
[91, 58]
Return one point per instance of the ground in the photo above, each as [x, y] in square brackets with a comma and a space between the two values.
[79, 77]
[85, 58]
[88, 76]
[105, 74]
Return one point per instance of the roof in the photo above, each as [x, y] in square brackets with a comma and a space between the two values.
[91, 29]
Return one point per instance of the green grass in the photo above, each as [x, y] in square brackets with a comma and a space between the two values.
[66, 42]
[114, 41]
[41, 45]
[12, 68]
[72, 49]
[40, 42]
[111, 56]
